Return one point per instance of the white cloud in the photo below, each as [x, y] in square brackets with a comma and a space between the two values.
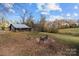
[75, 14]
[45, 13]
[50, 6]
[68, 14]
[23, 10]
[52, 18]
[39, 6]
[54, 7]
[8, 5]
[58, 17]
[11, 10]
[46, 8]
[76, 7]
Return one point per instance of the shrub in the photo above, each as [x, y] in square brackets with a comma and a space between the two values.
[3, 27]
[52, 30]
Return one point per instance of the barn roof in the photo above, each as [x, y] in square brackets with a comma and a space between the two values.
[20, 26]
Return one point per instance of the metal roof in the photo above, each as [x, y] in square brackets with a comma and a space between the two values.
[20, 26]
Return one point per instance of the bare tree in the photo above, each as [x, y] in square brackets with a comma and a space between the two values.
[42, 23]
[23, 15]
[30, 21]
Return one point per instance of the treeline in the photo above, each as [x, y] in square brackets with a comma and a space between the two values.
[50, 26]
[66, 23]
[44, 25]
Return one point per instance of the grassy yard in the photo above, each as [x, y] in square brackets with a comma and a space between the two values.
[68, 36]
[70, 31]
[24, 43]
[68, 39]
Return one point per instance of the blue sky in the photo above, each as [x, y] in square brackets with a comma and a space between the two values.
[52, 11]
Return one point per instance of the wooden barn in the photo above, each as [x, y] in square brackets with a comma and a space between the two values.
[19, 27]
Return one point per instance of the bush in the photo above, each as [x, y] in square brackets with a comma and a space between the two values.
[3, 27]
[53, 30]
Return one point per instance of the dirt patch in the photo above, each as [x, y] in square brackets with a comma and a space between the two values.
[21, 43]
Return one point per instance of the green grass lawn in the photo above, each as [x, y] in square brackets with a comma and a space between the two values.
[67, 36]
[68, 39]
[70, 31]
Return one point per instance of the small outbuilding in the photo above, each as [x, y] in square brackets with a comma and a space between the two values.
[19, 27]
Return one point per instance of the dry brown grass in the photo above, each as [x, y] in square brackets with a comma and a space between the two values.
[24, 43]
